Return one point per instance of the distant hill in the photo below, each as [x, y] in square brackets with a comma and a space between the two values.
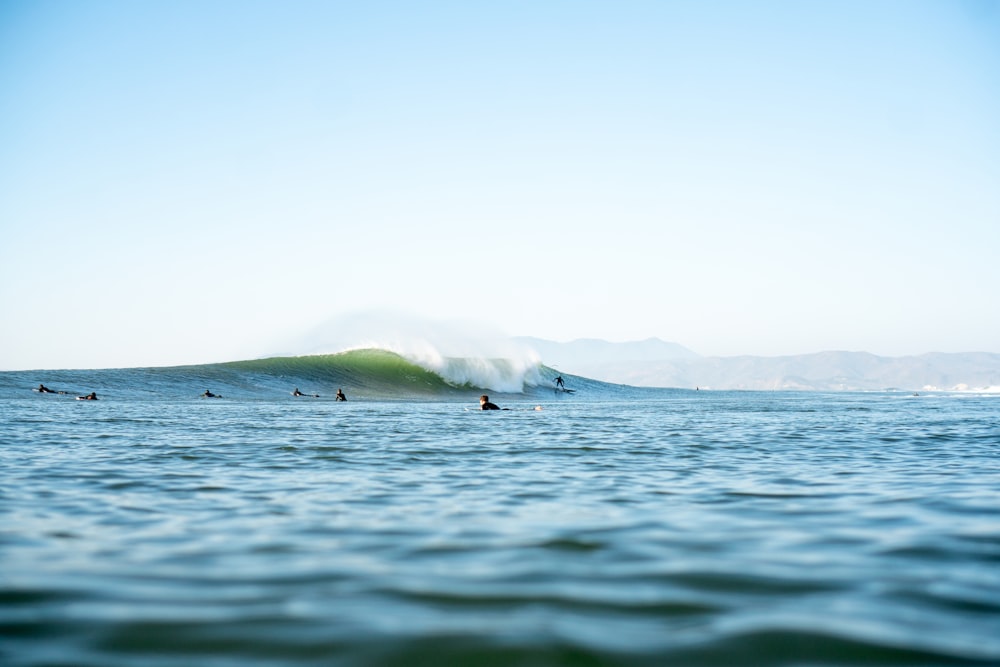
[593, 351]
[655, 363]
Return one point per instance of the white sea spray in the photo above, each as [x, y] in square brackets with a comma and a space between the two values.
[461, 352]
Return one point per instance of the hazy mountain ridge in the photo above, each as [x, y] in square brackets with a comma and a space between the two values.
[596, 351]
[823, 371]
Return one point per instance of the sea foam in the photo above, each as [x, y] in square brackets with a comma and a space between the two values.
[460, 352]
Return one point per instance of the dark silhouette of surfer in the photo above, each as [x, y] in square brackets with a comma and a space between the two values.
[299, 393]
[340, 395]
[92, 396]
[209, 394]
[559, 382]
[484, 403]
[44, 390]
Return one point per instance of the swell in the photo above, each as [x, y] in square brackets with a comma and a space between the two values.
[367, 373]
[374, 371]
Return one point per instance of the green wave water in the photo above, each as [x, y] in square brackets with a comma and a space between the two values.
[367, 374]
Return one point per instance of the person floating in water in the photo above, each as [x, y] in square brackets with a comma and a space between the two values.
[484, 403]
[92, 396]
[209, 394]
[340, 395]
[44, 390]
[299, 393]
[560, 383]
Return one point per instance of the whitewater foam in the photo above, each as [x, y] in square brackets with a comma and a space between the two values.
[461, 352]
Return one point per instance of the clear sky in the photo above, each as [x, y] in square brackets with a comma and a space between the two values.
[187, 181]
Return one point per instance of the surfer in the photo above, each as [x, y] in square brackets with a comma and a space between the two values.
[44, 390]
[484, 403]
[209, 394]
[92, 396]
[560, 383]
[340, 395]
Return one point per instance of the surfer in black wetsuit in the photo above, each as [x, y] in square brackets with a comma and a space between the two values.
[209, 394]
[340, 395]
[92, 396]
[42, 389]
[484, 403]
[559, 382]
[297, 392]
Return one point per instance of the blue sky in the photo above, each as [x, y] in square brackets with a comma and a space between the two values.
[184, 182]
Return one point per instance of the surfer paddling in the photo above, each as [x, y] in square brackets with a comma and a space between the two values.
[42, 389]
[209, 394]
[299, 393]
[92, 396]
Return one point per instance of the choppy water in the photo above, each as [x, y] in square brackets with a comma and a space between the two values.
[691, 528]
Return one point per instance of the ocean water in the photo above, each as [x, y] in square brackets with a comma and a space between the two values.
[610, 527]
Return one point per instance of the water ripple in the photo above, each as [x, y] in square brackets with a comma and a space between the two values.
[732, 529]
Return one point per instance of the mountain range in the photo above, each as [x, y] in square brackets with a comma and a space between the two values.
[657, 363]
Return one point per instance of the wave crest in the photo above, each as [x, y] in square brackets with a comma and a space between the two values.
[462, 353]
[503, 375]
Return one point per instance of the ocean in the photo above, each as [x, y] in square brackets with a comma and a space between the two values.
[609, 526]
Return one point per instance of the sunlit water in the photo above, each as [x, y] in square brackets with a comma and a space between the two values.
[699, 528]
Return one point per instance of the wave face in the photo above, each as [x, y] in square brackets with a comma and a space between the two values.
[462, 353]
[372, 374]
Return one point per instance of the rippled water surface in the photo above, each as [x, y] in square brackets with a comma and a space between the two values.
[705, 528]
